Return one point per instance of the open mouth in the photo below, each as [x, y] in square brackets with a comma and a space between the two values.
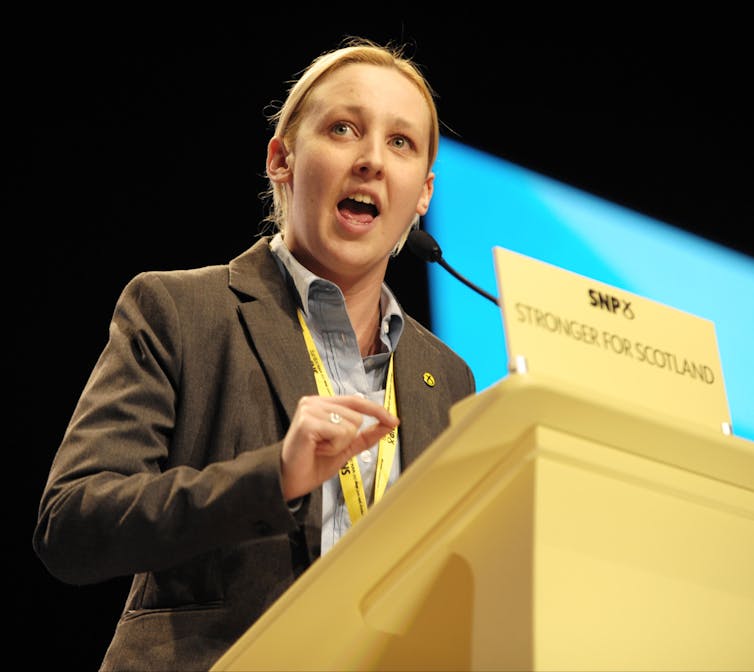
[358, 208]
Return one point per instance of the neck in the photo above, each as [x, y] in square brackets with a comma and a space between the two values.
[364, 313]
[369, 342]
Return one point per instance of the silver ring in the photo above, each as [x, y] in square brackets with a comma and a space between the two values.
[335, 418]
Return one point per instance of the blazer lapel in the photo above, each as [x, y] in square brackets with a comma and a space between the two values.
[268, 310]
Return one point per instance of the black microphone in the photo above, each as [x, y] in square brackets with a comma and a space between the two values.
[424, 246]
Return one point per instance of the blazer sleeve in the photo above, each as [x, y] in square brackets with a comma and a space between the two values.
[118, 501]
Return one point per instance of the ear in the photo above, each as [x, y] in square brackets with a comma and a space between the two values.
[426, 196]
[278, 168]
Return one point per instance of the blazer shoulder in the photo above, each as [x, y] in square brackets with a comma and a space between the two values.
[253, 272]
[428, 338]
[180, 277]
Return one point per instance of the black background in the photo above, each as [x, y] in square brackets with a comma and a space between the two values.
[137, 142]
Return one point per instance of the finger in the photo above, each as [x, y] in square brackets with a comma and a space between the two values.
[342, 416]
[335, 438]
[367, 433]
[367, 437]
[350, 407]
[349, 439]
[366, 407]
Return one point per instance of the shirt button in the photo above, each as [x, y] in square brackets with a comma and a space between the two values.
[366, 456]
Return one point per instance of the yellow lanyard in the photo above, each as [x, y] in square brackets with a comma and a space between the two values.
[350, 474]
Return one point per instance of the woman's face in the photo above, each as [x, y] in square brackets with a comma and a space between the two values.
[357, 173]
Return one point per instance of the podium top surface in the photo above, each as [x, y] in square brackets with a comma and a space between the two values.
[526, 400]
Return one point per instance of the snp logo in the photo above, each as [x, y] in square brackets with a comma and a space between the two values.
[611, 304]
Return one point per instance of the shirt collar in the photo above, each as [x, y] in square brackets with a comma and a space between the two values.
[304, 281]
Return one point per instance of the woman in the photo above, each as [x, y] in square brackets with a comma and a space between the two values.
[242, 417]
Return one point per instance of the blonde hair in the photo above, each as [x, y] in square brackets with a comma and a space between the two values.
[288, 118]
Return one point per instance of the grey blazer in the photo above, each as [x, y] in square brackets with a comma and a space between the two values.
[170, 467]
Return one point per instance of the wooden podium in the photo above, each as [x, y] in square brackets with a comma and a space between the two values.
[548, 528]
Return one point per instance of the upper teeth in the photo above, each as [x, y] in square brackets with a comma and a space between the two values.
[363, 198]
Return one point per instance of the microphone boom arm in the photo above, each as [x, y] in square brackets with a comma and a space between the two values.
[424, 246]
[465, 281]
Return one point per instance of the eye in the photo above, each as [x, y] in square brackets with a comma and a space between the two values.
[340, 128]
[400, 142]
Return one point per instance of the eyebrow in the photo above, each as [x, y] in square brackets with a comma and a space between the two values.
[399, 121]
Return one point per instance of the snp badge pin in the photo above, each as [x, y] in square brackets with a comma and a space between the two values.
[429, 379]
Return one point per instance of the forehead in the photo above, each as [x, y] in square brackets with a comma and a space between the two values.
[374, 88]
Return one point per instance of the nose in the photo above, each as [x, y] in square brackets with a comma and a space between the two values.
[370, 161]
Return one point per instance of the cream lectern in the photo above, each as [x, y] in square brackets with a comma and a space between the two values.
[561, 522]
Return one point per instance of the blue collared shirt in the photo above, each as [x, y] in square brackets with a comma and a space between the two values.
[324, 308]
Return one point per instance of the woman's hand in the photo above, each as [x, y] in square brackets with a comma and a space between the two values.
[325, 433]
